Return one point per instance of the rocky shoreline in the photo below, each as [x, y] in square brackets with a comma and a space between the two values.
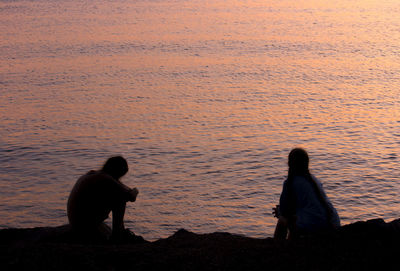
[369, 245]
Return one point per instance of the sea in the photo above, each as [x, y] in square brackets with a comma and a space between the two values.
[205, 100]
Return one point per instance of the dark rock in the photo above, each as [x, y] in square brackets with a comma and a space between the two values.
[369, 245]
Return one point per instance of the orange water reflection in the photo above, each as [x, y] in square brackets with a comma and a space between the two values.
[205, 99]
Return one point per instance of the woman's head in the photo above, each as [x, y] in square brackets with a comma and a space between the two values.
[116, 167]
[298, 161]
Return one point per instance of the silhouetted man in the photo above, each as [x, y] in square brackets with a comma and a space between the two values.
[95, 195]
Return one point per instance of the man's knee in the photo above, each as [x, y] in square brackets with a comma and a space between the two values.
[117, 205]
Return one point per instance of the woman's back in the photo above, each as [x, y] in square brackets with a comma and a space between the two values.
[312, 214]
[304, 206]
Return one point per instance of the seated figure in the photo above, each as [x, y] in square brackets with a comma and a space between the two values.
[304, 207]
[95, 195]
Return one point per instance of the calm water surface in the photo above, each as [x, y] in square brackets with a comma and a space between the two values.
[205, 99]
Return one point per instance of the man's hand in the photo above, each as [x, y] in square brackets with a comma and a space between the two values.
[133, 194]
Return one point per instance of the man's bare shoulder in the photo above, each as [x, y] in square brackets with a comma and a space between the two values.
[96, 175]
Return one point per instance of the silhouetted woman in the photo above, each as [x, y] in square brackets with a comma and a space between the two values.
[304, 207]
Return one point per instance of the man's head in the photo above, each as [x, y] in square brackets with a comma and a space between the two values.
[116, 167]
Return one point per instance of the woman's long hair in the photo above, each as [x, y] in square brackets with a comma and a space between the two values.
[298, 166]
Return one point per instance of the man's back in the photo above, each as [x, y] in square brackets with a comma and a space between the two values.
[90, 199]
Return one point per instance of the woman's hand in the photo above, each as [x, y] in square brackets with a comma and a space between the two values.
[276, 212]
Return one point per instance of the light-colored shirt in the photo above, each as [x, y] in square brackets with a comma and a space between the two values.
[310, 211]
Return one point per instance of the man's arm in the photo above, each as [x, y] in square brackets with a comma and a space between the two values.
[130, 193]
[125, 193]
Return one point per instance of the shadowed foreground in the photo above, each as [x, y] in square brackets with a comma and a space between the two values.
[371, 245]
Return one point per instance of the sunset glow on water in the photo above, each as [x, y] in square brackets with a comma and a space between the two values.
[205, 99]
